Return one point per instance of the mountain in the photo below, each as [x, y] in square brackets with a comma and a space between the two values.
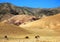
[49, 24]
[8, 8]
[12, 31]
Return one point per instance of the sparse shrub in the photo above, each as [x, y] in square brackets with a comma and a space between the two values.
[6, 37]
[27, 37]
[37, 36]
[13, 12]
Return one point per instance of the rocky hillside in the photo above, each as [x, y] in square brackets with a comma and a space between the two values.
[19, 19]
[8, 8]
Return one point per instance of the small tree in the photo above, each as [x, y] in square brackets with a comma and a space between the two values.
[6, 37]
[37, 37]
[27, 37]
[37, 40]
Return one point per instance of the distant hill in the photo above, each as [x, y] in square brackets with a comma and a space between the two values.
[8, 8]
